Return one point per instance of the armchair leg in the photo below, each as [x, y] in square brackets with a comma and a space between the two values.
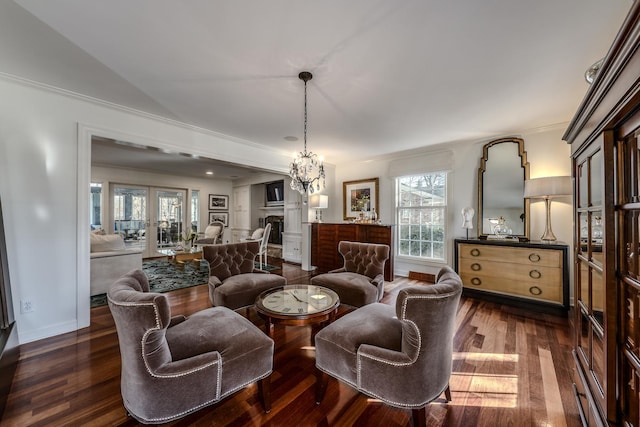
[264, 390]
[321, 385]
[447, 393]
[419, 417]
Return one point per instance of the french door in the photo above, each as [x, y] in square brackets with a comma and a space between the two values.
[149, 218]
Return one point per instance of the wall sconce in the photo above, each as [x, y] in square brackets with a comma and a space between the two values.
[319, 202]
[547, 189]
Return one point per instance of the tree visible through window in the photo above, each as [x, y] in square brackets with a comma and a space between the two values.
[422, 211]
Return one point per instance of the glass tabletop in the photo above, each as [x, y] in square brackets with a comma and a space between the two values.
[297, 300]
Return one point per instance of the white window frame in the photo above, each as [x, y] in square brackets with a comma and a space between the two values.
[401, 212]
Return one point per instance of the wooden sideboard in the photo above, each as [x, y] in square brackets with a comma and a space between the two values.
[526, 274]
[325, 238]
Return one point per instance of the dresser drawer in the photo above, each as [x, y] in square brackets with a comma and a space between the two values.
[542, 290]
[511, 271]
[505, 254]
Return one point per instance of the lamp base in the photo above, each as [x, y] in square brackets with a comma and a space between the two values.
[548, 235]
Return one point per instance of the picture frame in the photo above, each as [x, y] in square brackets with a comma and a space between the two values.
[359, 196]
[218, 202]
[223, 217]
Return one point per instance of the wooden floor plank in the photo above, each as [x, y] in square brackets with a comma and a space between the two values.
[511, 367]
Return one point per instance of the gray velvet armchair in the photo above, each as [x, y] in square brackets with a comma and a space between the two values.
[401, 355]
[361, 280]
[234, 282]
[173, 366]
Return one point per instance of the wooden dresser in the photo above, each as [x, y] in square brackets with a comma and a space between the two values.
[525, 274]
[325, 238]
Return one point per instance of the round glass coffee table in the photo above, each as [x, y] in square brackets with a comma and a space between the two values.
[297, 305]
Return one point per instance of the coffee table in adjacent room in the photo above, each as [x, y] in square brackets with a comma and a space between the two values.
[180, 257]
[297, 305]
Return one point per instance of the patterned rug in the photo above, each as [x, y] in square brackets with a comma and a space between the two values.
[166, 276]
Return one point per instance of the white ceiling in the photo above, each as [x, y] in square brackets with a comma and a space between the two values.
[388, 75]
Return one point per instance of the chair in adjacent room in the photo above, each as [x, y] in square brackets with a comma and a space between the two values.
[173, 366]
[400, 355]
[212, 234]
[234, 282]
[361, 280]
[261, 235]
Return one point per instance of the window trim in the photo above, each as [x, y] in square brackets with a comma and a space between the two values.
[445, 215]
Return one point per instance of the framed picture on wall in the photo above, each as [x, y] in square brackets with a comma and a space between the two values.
[218, 202]
[359, 196]
[223, 217]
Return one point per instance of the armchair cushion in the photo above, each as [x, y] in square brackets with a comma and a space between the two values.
[234, 282]
[106, 242]
[401, 355]
[361, 279]
[172, 366]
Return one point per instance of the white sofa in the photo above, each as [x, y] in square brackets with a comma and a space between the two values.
[110, 260]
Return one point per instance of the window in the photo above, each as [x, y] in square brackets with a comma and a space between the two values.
[195, 212]
[421, 202]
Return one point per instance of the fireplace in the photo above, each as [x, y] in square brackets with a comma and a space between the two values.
[277, 227]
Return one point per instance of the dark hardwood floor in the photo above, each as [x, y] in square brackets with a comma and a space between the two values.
[511, 367]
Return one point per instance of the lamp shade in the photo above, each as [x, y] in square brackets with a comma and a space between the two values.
[319, 201]
[551, 186]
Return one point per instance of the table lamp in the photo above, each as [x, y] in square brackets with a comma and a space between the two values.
[548, 188]
[319, 202]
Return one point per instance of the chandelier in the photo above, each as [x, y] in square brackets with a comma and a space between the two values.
[307, 169]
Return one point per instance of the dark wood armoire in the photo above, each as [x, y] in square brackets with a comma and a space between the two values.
[604, 136]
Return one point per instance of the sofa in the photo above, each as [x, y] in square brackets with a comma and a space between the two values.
[110, 259]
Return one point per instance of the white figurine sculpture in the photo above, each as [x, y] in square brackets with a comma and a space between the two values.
[467, 216]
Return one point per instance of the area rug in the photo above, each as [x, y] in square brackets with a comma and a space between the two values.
[166, 276]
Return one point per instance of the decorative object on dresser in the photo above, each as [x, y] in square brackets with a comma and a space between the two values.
[548, 188]
[467, 219]
[605, 141]
[307, 168]
[402, 353]
[325, 238]
[319, 202]
[359, 198]
[501, 177]
[527, 274]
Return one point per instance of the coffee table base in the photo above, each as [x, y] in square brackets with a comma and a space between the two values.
[316, 322]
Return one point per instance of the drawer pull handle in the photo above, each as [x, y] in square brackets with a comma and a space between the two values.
[476, 267]
[535, 274]
[534, 290]
[475, 252]
[476, 281]
[534, 257]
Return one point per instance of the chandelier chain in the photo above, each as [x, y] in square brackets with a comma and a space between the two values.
[305, 116]
[307, 168]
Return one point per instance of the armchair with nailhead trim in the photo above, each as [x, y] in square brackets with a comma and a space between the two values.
[401, 355]
[173, 366]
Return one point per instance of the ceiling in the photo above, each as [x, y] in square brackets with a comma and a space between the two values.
[388, 76]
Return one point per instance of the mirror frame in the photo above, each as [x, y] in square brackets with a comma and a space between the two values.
[483, 165]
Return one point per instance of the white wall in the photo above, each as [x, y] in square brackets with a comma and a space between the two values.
[547, 154]
[44, 185]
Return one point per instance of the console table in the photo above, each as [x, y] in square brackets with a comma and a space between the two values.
[325, 238]
[525, 274]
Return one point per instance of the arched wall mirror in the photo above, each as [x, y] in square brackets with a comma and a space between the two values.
[503, 170]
